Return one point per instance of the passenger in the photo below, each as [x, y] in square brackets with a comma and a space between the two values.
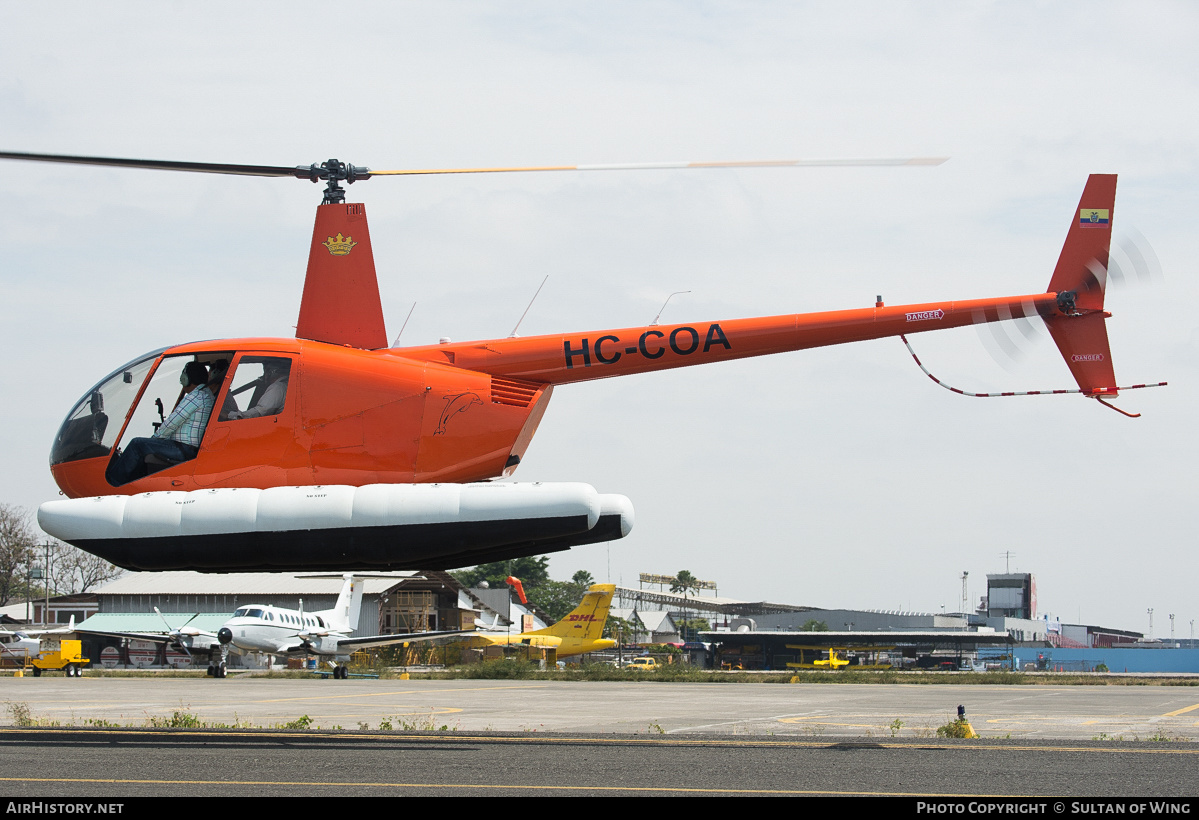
[178, 437]
[216, 375]
[274, 374]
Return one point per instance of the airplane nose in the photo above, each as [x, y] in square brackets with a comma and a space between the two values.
[224, 635]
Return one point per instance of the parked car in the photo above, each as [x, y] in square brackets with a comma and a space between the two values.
[646, 664]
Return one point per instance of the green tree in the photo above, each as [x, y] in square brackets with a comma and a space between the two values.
[690, 627]
[622, 629]
[813, 625]
[532, 571]
[583, 578]
[556, 599]
[684, 582]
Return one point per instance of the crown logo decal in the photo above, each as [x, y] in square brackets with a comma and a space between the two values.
[339, 245]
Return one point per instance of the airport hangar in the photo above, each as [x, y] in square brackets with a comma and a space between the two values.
[767, 636]
[392, 603]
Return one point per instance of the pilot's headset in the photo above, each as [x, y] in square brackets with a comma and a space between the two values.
[193, 373]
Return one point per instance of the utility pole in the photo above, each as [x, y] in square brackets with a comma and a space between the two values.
[46, 584]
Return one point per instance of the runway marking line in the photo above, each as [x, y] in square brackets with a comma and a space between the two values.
[490, 786]
[389, 694]
[573, 740]
[1182, 711]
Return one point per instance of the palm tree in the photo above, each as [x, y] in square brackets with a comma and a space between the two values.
[683, 582]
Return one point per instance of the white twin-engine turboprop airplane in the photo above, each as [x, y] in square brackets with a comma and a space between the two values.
[274, 630]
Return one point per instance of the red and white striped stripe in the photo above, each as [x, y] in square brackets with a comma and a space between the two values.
[1010, 392]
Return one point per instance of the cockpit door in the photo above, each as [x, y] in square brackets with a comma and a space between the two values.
[253, 422]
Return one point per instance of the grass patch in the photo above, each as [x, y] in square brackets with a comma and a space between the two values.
[411, 723]
[178, 720]
[957, 728]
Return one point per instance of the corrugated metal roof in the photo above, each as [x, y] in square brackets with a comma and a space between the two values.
[123, 622]
[243, 583]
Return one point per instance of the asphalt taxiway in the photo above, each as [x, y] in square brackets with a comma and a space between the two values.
[101, 739]
[803, 710]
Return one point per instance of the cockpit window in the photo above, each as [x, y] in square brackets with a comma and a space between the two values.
[258, 388]
[91, 427]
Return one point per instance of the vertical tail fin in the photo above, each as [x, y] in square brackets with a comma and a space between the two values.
[341, 292]
[587, 620]
[344, 615]
[1079, 280]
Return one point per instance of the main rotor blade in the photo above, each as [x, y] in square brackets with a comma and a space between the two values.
[163, 165]
[645, 166]
[313, 172]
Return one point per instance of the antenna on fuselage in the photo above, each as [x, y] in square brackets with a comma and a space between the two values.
[396, 343]
[531, 301]
[664, 304]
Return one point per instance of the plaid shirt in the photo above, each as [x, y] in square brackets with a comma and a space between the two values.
[189, 418]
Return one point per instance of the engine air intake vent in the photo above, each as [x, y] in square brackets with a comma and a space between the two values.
[513, 392]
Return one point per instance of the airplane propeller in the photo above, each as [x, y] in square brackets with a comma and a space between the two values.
[178, 634]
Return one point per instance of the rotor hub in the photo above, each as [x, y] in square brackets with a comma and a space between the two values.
[334, 171]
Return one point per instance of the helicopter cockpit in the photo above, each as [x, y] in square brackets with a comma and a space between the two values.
[135, 400]
[87, 431]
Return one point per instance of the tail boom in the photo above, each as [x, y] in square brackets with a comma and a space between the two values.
[576, 357]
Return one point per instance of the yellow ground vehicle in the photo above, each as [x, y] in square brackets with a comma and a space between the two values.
[66, 657]
[644, 664]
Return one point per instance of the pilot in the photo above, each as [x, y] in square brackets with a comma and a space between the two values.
[274, 374]
[178, 437]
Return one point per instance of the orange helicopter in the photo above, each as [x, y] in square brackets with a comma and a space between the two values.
[332, 451]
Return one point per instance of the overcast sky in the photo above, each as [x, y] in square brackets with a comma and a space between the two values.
[839, 477]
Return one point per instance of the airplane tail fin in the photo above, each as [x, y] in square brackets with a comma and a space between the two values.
[349, 603]
[587, 620]
[1078, 326]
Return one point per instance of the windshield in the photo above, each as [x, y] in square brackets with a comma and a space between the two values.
[91, 428]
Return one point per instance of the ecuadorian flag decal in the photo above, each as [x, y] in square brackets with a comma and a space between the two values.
[1093, 217]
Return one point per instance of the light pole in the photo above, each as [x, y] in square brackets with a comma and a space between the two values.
[1150, 611]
